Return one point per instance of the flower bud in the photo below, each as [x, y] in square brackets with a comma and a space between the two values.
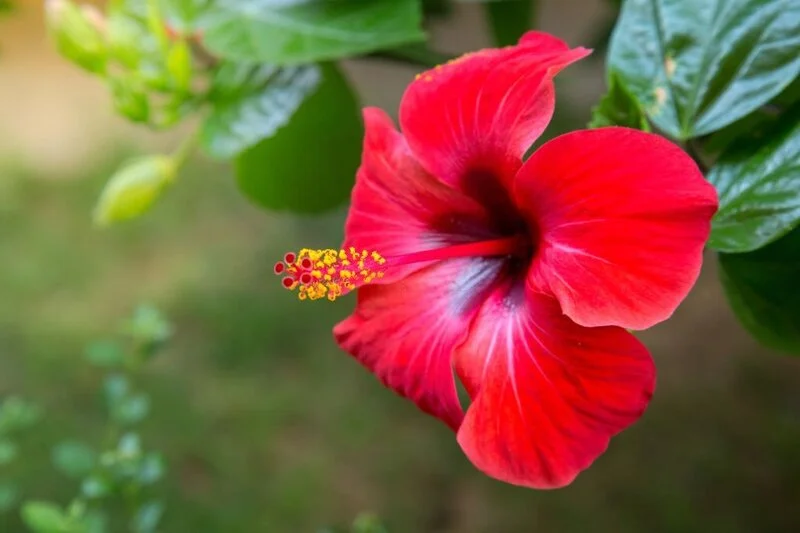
[78, 33]
[134, 188]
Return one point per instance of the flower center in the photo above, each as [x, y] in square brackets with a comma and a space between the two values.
[332, 273]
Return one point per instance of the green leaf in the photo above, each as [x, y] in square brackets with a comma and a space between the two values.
[509, 19]
[75, 459]
[17, 414]
[9, 494]
[95, 487]
[132, 409]
[252, 103]
[115, 387]
[310, 164]
[95, 521]
[762, 288]
[618, 108]
[151, 469]
[697, 66]
[759, 189]
[147, 517]
[184, 15]
[129, 446]
[303, 31]
[44, 517]
[134, 188]
[8, 451]
[105, 353]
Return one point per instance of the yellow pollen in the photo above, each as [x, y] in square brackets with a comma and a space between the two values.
[330, 273]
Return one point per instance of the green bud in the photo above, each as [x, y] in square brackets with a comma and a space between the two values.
[78, 33]
[130, 98]
[134, 188]
[125, 39]
[179, 65]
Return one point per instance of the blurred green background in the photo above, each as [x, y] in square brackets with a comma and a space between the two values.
[266, 425]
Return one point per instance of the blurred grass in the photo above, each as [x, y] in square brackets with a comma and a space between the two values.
[268, 428]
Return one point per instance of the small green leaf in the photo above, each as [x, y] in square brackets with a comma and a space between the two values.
[697, 66]
[75, 459]
[95, 487]
[763, 291]
[304, 31]
[78, 33]
[130, 446]
[132, 409]
[95, 521]
[17, 414]
[151, 469]
[509, 19]
[130, 97]
[758, 184]
[8, 451]
[618, 108]
[265, 101]
[310, 163]
[147, 517]
[134, 188]
[184, 15]
[179, 65]
[368, 523]
[9, 494]
[148, 326]
[44, 517]
[106, 354]
[115, 387]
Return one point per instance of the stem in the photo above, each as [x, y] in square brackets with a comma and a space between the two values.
[182, 153]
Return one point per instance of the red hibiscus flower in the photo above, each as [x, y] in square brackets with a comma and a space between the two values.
[519, 276]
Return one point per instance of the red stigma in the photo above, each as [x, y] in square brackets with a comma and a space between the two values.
[305, 278]
[287, 282]
[279, 268]
[306, 263]
[289, 258]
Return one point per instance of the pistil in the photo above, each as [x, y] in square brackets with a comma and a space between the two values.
[332, 273]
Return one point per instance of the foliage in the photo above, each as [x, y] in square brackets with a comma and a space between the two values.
[722, 77]
[118, 470]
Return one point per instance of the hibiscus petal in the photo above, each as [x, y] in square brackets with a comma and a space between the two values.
[622, 218]
[548, 394]
[484, 110]
[405, 332]
[398, 208]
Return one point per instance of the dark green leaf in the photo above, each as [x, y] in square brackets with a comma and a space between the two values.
[44, 517]
[303, 31]
[310, 164]
[618, 108]
[73, 458]
[759, 189]
[509, 19]
[252, 103]
[763, 290]
[697, 66]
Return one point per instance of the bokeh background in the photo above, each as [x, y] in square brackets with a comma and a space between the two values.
[266, 425]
